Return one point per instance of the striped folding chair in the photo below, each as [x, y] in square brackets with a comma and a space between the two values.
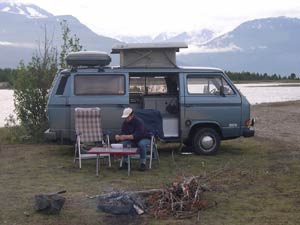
[88, 130]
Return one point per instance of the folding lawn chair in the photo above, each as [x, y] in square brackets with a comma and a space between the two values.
[88, 131]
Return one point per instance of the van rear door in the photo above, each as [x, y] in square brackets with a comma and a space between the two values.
[210, 99]
[107, 90]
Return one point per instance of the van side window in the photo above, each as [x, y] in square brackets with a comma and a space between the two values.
[62, 84]
[208, 85]
[137, 85]
[99, 85]
[156, 85]
[204, 85]
[227, 89]
[152, 84]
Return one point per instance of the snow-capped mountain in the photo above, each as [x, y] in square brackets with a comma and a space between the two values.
[191, 37]
[134, 39]
[22, 29]
[195, 37]
[28, 10]
[268, 45]
[162, 37]
[261, 34]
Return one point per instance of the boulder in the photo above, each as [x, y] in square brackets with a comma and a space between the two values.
[49, 203]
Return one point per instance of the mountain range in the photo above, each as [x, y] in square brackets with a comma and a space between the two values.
[22, 29]
[268, 45]
[192, 37]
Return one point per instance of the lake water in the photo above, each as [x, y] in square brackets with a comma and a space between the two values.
[270, 92]
[255, 93]
[6, 105]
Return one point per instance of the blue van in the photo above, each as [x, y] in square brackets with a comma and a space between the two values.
[199, 106]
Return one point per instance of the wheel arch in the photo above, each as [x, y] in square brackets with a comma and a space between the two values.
[200, 125]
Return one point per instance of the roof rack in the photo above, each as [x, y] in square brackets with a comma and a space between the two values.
[148, 55]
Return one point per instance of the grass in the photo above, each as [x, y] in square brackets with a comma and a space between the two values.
[253, 181]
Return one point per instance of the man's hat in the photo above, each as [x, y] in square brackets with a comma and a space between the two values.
[127, 112]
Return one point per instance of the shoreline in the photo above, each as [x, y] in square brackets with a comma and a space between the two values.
[277, 104]
[264, 81]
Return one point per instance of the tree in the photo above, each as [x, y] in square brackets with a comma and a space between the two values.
[70, 44]
[33, 81]
[292, 76]
[31, 85]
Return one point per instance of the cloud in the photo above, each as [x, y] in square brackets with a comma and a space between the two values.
[205, 49]
[8, 1]
[13, 44]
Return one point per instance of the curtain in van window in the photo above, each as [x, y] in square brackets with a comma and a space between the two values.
[99, 85]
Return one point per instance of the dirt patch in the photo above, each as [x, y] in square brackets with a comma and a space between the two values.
[278, 121]
[124, 219]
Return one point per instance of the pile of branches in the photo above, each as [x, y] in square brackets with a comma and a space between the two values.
[183, 199]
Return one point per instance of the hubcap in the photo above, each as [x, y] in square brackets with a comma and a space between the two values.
[207, 142]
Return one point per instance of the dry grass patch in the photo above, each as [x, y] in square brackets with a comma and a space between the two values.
[253, 181]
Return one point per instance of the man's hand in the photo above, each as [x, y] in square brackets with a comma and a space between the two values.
[120, 137]
[123, 137]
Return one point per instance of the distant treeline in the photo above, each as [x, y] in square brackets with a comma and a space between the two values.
[247, 76]
[6, 75]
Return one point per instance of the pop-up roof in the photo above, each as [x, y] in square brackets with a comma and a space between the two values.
[153, 55]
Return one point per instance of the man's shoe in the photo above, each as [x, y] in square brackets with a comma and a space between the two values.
[124, 166]
[142, 167]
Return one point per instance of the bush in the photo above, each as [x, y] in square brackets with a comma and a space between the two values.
[32, 83]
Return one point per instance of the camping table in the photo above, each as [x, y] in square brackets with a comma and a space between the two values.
[109, 150]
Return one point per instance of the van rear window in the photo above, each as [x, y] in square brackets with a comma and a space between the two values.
[99, 85]
[62, 84]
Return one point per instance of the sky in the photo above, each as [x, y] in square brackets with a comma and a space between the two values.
[151, 17]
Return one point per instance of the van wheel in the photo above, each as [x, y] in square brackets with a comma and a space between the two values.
[206, 141]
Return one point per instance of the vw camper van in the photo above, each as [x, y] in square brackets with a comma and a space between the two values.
[199, 106]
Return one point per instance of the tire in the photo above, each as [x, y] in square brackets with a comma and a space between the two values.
[206, 141]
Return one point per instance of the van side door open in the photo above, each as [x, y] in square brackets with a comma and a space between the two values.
[160, 91]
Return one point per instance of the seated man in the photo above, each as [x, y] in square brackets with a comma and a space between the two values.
[134, 133]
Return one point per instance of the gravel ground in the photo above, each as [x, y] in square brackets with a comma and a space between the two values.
[278, 121]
